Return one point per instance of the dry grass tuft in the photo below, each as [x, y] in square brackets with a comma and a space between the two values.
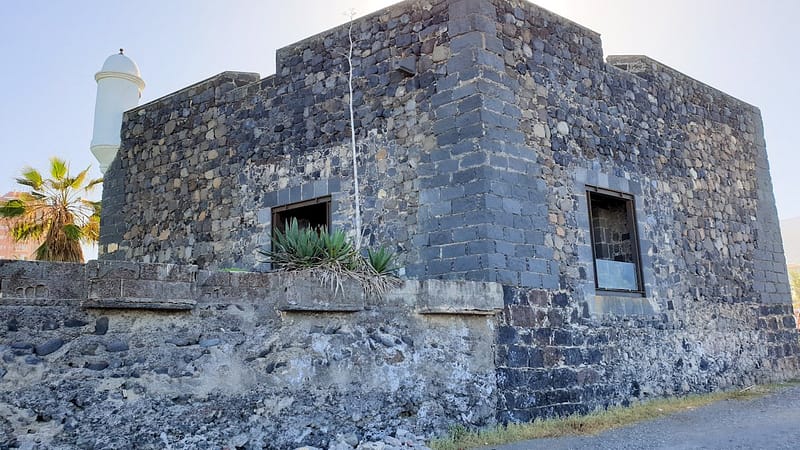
[594, 423]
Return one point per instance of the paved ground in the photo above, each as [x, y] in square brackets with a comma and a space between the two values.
[770, 422]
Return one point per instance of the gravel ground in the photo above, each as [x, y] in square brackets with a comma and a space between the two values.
[769, 422]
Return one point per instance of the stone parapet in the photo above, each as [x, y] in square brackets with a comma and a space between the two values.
[128, 285]
[32, 280]
[112, 284]
[458, 297]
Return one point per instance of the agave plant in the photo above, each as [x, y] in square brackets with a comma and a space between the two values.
[295, 248]
[381, 261]
[55, 212]
[336, 248]
[331, 257]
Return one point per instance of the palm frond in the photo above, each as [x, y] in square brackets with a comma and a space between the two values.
[96, 207]
[72, 232]
[31, 178]
[33, 196]
[92, 183]
[90, 233]
[58, 169]
[63, 251]
[43, 252]
[59, 245]
[78, 181]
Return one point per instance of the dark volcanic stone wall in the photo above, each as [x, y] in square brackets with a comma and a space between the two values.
[552, 360]
[482, 123]
[200, 169]
[689, 154]
[716, 300]
[170, 189]
[473, 167]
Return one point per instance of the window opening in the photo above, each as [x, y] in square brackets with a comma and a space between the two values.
[315, 213]
[615, 245]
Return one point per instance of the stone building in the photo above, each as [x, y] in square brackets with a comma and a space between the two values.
[626, 208]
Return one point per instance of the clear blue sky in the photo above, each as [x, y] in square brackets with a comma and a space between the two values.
[51, 51]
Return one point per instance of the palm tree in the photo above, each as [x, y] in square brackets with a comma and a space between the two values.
[54, 212]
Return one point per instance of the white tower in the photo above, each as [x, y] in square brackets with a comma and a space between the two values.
[119, 87]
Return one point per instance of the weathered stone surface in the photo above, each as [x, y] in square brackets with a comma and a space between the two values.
[305, 292]
[369, 366]
[98, 365]
[140, 303]
[124, 285]
[101, 326]
[296, 121]
[241, 371]
[74, 323]
[554, 360]
[205, 343]
[32, 280]
[117, 346]
[49, 346]
[458, 297]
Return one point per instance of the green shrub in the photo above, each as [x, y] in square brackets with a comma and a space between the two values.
[331, 257]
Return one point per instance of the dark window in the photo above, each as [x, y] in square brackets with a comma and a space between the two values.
[314, 213]
[614, 243]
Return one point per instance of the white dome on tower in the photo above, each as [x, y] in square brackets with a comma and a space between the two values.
[121, 67]
[119, 87]
[120, 63]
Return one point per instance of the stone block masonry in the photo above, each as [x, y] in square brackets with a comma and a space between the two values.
[199, 170]
[554, 359]
[475, 166]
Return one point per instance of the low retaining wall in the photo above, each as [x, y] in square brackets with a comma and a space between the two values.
[120, 355]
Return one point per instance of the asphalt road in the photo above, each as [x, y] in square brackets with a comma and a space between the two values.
[769, 422]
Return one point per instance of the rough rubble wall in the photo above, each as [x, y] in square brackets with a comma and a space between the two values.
[227, 159]
[474, 164]
[239, 367]
[170, 191]
[685, 151]
[306, 132]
